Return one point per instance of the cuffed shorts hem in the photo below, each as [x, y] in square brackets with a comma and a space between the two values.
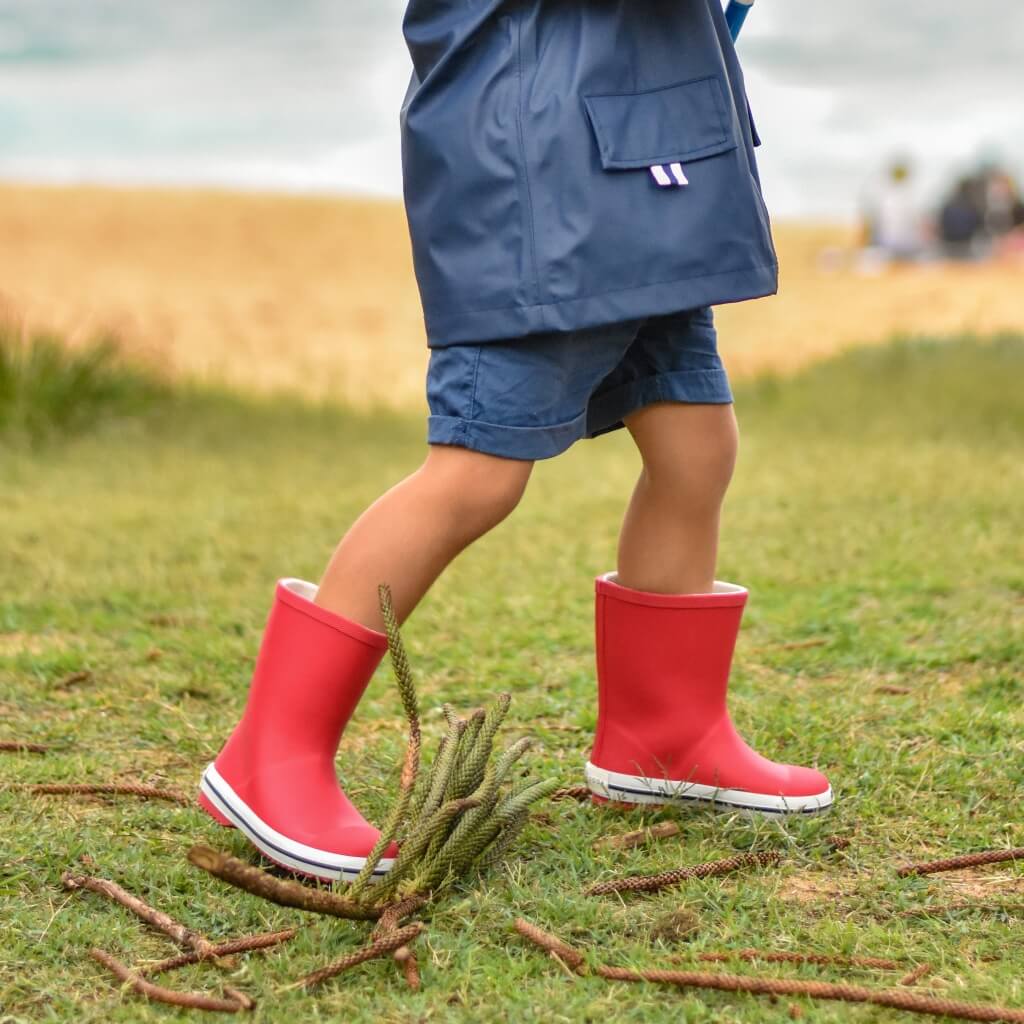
[697, 387]
[529, 443]
[606, 413]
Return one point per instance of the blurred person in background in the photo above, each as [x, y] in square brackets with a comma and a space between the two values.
[894, 225]
[960, 222]
[1004, 213]
[1003, 209]
[982, 217]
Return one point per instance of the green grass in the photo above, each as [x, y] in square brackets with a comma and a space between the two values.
[877, 507]
[48, 389]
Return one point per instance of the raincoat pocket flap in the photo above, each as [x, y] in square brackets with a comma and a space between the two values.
[677, 123]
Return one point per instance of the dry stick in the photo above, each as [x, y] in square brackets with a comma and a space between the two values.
[952, 908]
[794, 645]
[82, 676]
[654, 883]
[916, 975]
[410, 966]
[630, 840]
[191, 1000]
[392, 916]
[157, 918]
[26, 748]
[555, 946]
[390, 919]
[777, 986]
[968, 860]
[244, 945]
[769, 956]
[244, 1001]
[894, 998]
[285, 893]
[799, 645]
[377, 948]
[116, 789]
[571, 793]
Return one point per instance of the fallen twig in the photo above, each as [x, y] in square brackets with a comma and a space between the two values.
[894, 998]
[954, 908]
[895, 691]
[113, 789]
[18, 746]
[798, 645]
[630, 840]
[653, 883]
[770, 956]
[244, 945]
[572, 958]
[244, 1001]
[390, 920]
[73, 678]
[410, 966]
[967, 860]
[571, 793]
[285, 893]
[165, 619]
[377, 948]
[181, 934]
[792, 645]
[391, 917]
[915, 975]
[191, 1000]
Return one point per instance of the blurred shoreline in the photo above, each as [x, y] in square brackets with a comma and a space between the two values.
[276, 292]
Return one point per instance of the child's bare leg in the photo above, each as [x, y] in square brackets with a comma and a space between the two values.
[410, 534]
[669, 538]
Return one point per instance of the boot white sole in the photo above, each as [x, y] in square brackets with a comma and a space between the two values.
[634, 789]
[277, 847]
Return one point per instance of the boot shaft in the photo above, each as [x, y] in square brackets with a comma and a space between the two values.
[663, 664]
[311, 671]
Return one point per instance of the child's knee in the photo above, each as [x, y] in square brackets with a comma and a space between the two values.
[481, 490]
[700, 470]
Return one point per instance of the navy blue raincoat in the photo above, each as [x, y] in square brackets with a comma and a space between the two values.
[538, 141]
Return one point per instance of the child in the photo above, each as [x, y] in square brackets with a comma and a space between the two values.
[581, 187]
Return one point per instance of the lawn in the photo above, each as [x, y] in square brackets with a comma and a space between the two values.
[877, 520]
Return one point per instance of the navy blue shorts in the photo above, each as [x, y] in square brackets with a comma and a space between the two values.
[533, 397]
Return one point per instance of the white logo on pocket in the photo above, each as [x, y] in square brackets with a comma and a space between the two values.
[661, 176]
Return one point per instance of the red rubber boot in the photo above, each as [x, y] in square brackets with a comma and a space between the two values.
[275, 778]
[663, 730]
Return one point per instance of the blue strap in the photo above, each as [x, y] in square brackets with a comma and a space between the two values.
[735, 14]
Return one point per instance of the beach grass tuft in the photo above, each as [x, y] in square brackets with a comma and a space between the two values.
[49, 388]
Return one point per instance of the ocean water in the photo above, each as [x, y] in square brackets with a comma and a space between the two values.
[304, 96]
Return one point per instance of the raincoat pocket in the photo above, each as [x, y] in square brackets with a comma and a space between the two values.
[677, 123]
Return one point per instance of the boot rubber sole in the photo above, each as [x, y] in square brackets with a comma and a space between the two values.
[207, 805]
[620, 789]
[288, 853]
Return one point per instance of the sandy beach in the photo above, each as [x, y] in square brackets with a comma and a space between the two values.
[317, 295]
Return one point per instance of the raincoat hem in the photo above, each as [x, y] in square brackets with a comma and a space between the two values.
[634, 303]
